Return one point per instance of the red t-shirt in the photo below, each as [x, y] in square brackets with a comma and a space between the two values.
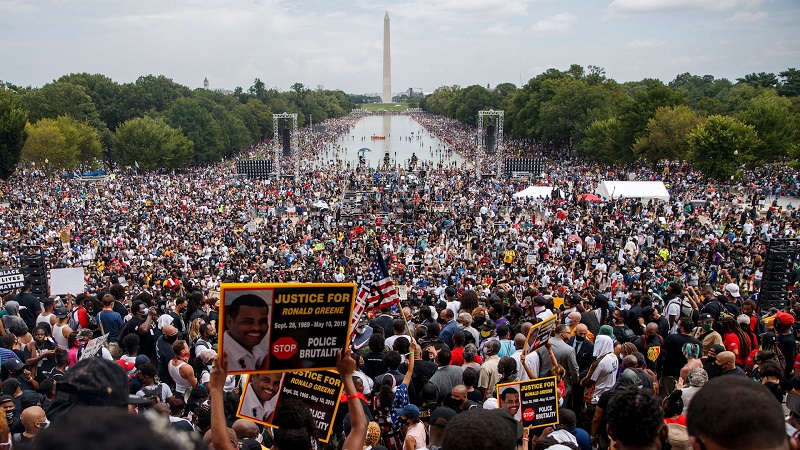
[680, 420]
[732, 343]
[751, 358]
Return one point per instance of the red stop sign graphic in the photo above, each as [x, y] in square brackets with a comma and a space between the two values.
[284, 348]
[528, 415]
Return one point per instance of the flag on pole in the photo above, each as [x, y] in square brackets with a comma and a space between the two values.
[377, 291]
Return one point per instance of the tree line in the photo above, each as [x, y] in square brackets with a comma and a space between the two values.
[85, 120]
[718, 125]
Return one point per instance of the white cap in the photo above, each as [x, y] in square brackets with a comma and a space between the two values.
[733, 289]
[490, 403]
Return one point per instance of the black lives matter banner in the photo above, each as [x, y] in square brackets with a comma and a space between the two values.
[11, 279]
[308, 324]
[320, 391]
[540, 333]
[538, 400]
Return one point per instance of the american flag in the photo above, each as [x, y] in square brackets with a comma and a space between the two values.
[377, 291]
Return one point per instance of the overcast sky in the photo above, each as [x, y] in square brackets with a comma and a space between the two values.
[338, 44]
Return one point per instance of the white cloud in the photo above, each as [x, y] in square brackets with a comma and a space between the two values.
[628, 7]
[644, 43]
[17, 7]
[748, 17]
[502, 29]
[558, 24]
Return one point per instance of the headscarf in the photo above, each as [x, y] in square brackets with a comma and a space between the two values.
[628, 379]
[607, 330]
[602, 345]
[697, 377]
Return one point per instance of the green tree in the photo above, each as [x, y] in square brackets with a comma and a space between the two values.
[440, 101]
[61, 143]
[666, 134]
[12, 132]
[194, 118]
[468, 101]
[757, 80]
[573, 106]
[790, 83]
[159, 92]
[636, 114]
[771, 117]
[257, 117]
[721, 145]
[103, 91]
[152, 144]
[61, 98]
[602, 141]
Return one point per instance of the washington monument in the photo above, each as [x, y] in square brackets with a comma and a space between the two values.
[386, 97]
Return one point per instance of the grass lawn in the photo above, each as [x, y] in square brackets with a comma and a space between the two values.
[386, 106]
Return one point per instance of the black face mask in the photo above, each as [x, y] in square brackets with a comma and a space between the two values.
[10, 416]
[171, 339]
[580, 338]
[451, 403]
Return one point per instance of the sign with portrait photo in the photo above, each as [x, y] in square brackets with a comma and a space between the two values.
[540, 333]
[533, 402]
[280, 327]
[319, 390]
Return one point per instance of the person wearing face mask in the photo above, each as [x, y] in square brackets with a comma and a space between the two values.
[710, 365]
[9, 409]
[458, 400]
[35, 420]
[706, 334]
[416, 436]
[164, 352]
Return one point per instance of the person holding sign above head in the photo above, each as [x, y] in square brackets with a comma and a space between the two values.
[246, 332]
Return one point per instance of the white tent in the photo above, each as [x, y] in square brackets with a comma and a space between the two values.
[632, 189]
[535, 191]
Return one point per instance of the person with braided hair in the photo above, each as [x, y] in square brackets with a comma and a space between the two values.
[735, 340]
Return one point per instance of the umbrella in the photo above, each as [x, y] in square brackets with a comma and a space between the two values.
[364, 149]
[589, 198]
[321, 204]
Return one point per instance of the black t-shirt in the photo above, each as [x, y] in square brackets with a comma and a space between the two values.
[673, 353]
[147, 340]
[373, 364]
[31, 310]
[651, 349]
[663, 326]
[634, 314]
[788, 346]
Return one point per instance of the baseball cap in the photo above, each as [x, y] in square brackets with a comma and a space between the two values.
[733, 289]
[705, 317]
[451, 291]
[785, 318]
[410, 411]
[488, 325]
[61, 312]
[13, 364]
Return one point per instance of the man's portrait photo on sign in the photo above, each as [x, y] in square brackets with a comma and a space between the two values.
[246, 323]
[509, 399]
[260, 396]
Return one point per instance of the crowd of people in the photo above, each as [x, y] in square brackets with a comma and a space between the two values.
[657, 303]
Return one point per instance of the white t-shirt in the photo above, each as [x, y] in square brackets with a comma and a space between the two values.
[605, 375]
[673, 309]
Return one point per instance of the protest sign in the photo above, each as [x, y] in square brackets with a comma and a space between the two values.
[94, 346]
[539, 334]
[67, 281]
[320, 391]
[279, 327]
[11, 279]
[533, 402]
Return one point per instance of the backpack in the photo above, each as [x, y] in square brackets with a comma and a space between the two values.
[74, 323]
[154, 391]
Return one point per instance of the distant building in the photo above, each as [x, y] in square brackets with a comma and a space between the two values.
[205, 83]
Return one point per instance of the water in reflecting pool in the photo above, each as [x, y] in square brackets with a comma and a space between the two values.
[399, 136]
